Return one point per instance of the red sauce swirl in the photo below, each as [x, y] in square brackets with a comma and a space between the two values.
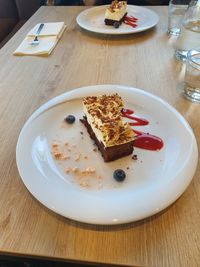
[142, 140]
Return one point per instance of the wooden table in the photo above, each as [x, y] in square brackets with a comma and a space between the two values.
[144, 60]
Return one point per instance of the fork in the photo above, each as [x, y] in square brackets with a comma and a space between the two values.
[36, 41]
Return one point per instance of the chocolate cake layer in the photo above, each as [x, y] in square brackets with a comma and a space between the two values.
[111, 22]
[109, 153]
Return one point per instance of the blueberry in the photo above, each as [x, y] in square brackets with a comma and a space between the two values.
[119, 175]
[116, 24]
[70, 119]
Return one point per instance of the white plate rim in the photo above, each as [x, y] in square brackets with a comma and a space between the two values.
[79, 92]
[80, 21]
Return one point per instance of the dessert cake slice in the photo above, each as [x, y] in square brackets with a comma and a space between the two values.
[103, 120]
[115, 13]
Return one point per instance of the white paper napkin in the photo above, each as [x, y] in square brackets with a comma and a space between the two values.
[49, 36]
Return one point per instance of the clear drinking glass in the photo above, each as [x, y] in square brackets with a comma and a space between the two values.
[192, 76]
[189, 38]
[176, 12]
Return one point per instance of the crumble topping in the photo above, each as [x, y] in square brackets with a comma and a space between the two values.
[117, 5]
[104, 115]
[115, 12]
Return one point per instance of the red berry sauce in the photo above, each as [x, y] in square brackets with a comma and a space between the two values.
[142, 140]
[131, 21]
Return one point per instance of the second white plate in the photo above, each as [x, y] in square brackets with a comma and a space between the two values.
[92, 19]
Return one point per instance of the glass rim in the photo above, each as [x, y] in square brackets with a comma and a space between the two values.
[191, 56]
[179, 2]
[179, 5]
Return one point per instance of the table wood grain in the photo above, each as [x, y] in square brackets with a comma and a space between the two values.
[143, 60]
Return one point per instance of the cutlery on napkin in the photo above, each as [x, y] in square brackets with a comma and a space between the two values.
[36, 41]
[48, 38]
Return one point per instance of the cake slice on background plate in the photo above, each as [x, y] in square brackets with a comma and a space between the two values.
[115, 13]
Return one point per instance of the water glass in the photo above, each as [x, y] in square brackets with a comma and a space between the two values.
[192, 76]
[176, 12]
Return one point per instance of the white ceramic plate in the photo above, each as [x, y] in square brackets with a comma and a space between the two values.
[153, 182]
[92, 19]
